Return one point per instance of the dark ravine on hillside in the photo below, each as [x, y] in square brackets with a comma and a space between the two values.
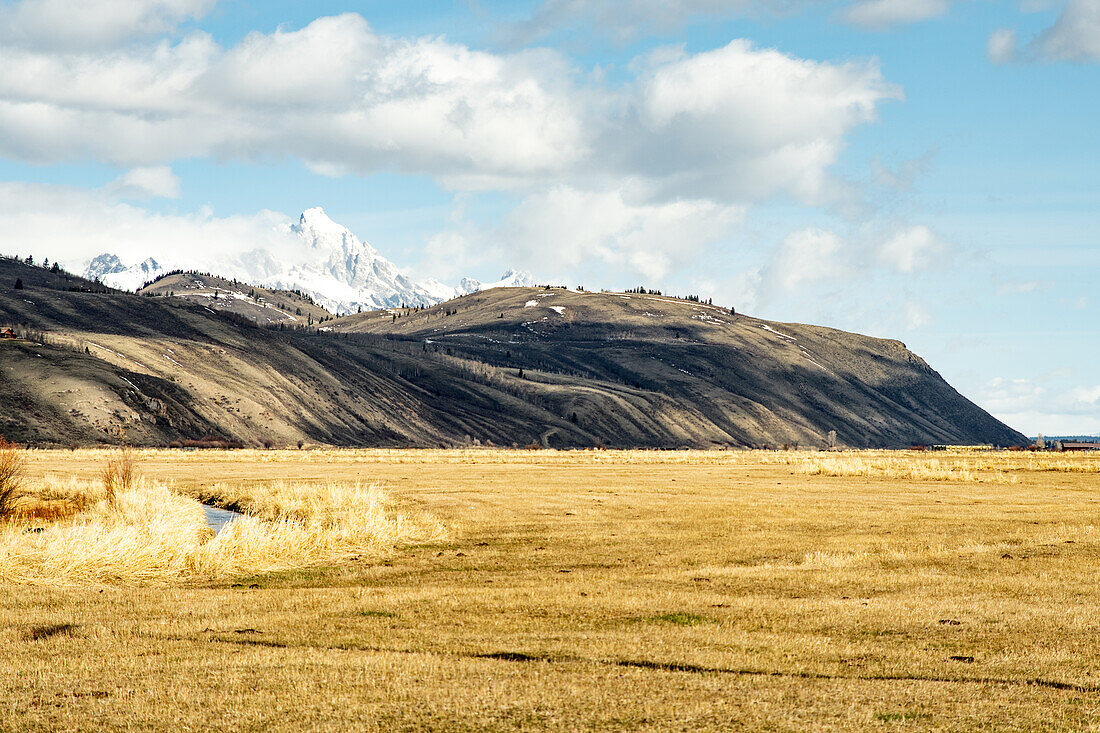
[510, 366]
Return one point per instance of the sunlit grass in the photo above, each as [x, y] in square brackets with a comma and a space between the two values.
[579, 590]
[909, 467]
[150, 534]
[1079, 462]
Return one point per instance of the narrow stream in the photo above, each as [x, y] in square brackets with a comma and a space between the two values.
[216, 518]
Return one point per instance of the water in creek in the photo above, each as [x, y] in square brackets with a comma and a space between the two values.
[217, 518]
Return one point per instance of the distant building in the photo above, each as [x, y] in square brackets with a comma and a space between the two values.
[1080, 445]
[961, 447]
[7, 333]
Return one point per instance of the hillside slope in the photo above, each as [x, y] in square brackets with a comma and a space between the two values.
[510, 366]
[264, 307]
[683, 371]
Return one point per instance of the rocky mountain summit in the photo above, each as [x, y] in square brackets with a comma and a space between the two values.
[314, 255]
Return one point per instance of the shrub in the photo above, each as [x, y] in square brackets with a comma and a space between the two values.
[119, 473]
[12, 465]
[212, 442]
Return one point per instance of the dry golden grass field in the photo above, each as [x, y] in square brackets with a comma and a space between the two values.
[478, 590]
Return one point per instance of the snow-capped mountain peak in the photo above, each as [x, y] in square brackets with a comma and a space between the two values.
[321, 257]
[317, 220]
[513, 279]
[103, 265]
[109, 269]
[510, 279]
[317, 229]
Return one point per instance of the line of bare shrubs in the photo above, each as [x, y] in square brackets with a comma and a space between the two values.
[213, 442]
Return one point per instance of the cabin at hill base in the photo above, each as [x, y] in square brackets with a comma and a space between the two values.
[962, 448]
[1080, 445]
[7, 333]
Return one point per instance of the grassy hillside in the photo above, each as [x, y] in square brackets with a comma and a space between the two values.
[507, 367]
[265, 307]
[697, 373]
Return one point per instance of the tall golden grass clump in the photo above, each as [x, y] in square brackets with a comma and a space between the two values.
[297, 525]
[150, 534]
[119, 473]
[905, 466]
[12, 465]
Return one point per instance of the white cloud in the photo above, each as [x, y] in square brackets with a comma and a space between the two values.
[732, 124]
[1088, 396]
[745, 121]
[624, 20]
[1033, 406]
[333, 93]
[66, 25]
[1001, 48]
[1075, 36]
[902, 176]
[559, 230]
[916, 316]
[805, 257]
[881, 14]
[627, 19]
[1020, 288]
[912, 249]
[143, 183]
[71, 225]
[636, 175]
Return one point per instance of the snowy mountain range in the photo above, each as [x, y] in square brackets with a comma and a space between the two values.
[321, 258]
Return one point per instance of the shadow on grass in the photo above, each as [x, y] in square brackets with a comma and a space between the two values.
[38, 633]
[678, 667]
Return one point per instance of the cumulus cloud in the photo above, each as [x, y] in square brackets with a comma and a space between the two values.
[1037, 405]
[916, 316]
[1021, 288]
[912, 249]
[557, 230]
[71, 225]
[333, 93]
[627, 19]
[624, 20]
[144, 183]
[90, 24]
[1001, 48]
[881, 14]
[746, 121]
[1075, 36]
[726, 126]
[806, 257]
[902, 176]
[635, 173]
[733, 122]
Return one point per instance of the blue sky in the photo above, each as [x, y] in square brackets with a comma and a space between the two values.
[925, 170]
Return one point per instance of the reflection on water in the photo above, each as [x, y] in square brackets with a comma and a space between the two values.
[218, 518]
